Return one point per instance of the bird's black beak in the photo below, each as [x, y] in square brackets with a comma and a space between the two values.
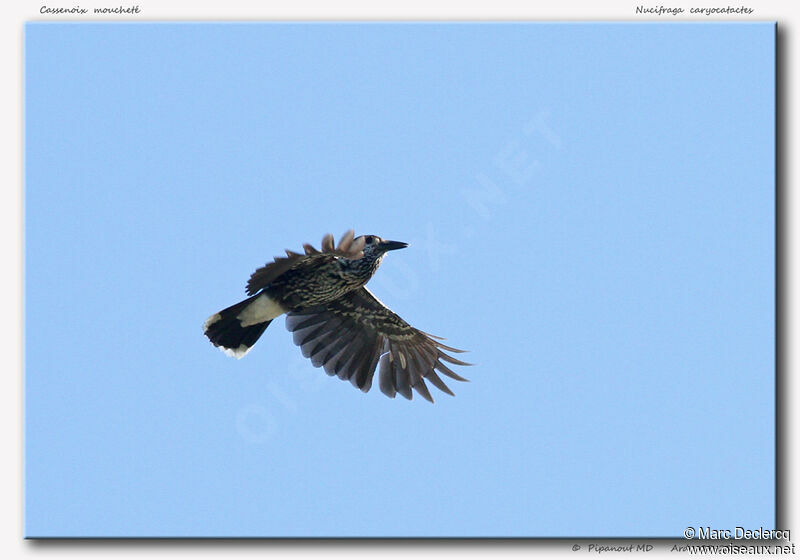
[392, 245]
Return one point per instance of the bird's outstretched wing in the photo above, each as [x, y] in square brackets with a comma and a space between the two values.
[348, 247]
[352, 335]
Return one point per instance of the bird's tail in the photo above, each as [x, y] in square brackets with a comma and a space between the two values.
[233, 329]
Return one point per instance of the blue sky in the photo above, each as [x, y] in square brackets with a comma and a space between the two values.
[590, 212]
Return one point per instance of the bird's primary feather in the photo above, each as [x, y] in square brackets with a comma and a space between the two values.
[360, 321]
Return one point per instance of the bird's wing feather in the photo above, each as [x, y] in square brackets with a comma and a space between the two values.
[348, 248]
[262, 277]
[352, 335]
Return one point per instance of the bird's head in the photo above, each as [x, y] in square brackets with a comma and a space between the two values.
[370, 249]
[375, 246]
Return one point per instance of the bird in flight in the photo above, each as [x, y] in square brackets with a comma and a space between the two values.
[335, 319]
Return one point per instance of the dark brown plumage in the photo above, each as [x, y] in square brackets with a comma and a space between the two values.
[335, 320]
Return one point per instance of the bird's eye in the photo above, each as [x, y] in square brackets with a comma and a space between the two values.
[369, 239]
